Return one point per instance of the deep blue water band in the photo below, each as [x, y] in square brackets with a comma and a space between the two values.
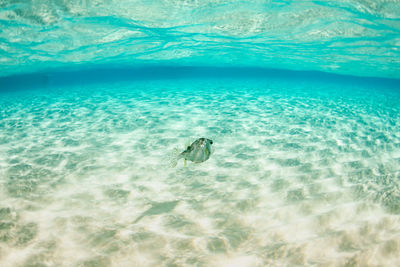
[66, 77]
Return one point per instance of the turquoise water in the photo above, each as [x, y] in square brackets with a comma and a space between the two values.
[301, 100]
[359, 37]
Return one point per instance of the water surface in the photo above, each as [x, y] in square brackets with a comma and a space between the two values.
[301, 99]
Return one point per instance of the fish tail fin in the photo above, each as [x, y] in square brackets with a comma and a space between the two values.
[175, 156]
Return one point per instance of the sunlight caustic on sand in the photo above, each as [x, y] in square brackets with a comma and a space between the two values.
[302, 174]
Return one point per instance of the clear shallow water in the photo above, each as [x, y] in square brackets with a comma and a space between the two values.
[304, 172]
[357, 37]
[95, 95]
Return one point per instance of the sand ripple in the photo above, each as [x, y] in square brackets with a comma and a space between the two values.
[302, 174]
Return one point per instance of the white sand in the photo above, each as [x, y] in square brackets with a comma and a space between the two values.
[301, 174]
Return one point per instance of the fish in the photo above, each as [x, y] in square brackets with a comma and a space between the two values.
[199, 151]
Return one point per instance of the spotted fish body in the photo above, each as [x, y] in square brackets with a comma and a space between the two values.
[199, 151]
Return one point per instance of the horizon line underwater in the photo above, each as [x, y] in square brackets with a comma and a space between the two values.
[199, 133]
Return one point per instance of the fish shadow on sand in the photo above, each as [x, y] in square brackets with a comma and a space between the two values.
[158, 208]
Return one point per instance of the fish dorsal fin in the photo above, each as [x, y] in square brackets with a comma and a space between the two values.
[187, 144]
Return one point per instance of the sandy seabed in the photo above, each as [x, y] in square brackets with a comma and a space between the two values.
[302, 173]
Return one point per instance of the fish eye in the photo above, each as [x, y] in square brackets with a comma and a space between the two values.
[211, 142]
